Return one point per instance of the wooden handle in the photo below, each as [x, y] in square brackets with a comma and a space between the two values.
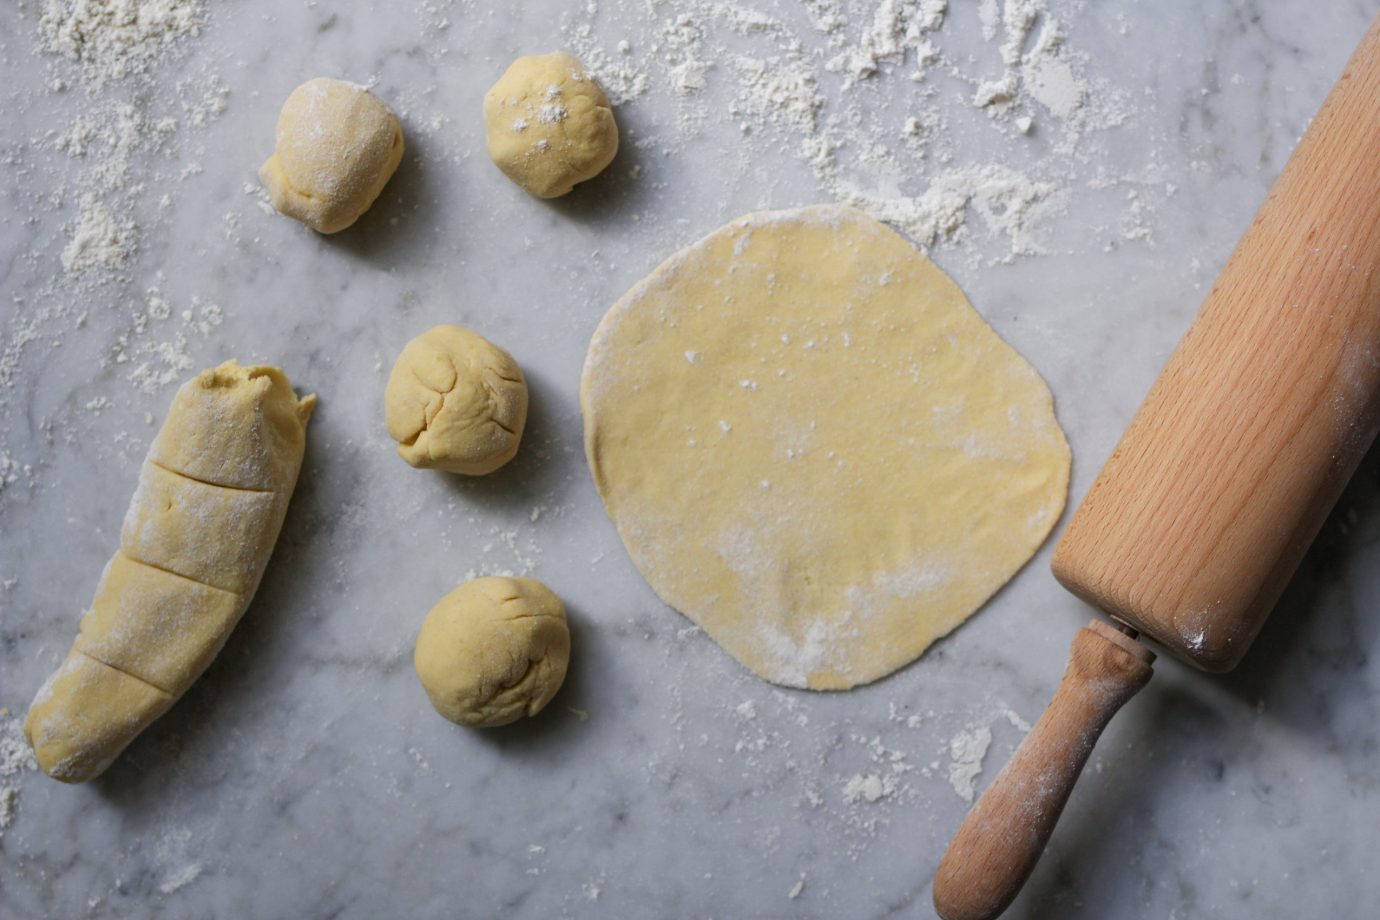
[1201, 516]
[1002, 838]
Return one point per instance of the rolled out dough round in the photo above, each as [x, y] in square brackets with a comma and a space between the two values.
[814, 447]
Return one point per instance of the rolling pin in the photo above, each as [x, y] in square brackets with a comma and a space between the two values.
[1227, 472]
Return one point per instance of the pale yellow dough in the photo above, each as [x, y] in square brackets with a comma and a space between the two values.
[455, 401]
[85, 714]
[336, 146]
[814, 448]
[548, 125]
[199, 531]
[493, 650]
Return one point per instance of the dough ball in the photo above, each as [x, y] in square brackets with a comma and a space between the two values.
[337, 146]
[456, 402]
[493, 650]
[549, 124]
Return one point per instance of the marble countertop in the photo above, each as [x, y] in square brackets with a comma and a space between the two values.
[305, 775]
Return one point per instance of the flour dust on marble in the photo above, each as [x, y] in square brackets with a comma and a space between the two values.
[804, 754]
[113, 170]
[16, 759]
[862, 93]
[114, 39]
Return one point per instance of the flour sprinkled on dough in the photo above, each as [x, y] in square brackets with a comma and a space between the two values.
[814, 448]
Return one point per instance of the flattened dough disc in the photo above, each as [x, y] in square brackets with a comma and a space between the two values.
[814, 447]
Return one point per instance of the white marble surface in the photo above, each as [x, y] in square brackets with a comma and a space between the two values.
[306, 776]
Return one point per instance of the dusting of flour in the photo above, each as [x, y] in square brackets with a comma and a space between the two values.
[15, 760]
[111, 169]
[114, 38]
[966, 752]
[859, 91]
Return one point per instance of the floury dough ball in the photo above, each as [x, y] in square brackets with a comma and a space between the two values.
[549, 125]
[456, 402]
[337, 146]
[493, 650]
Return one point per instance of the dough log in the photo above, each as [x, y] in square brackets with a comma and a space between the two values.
[210, 502]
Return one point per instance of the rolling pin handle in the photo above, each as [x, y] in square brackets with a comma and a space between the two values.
[1005, 833]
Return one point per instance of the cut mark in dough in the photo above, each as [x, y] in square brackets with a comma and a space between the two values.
[205, 482]
[850, 465]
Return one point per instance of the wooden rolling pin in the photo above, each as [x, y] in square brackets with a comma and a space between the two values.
[1227, 472]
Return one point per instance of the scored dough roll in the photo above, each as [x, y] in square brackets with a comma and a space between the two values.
[199, 530]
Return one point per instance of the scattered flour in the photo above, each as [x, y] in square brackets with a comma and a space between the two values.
[517, 550]
[781, 90]
[115, 38]
[1015, 719]
[1018, 18]
[1007, 201]
[966, 752]
[813, 85]
[1053, 84]
[855, 784]
[15, 760]
[124, 133]
[98, 239]
[151, 363]
[15, 756]
[171, 861]
[870, 788]
[897, 28]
